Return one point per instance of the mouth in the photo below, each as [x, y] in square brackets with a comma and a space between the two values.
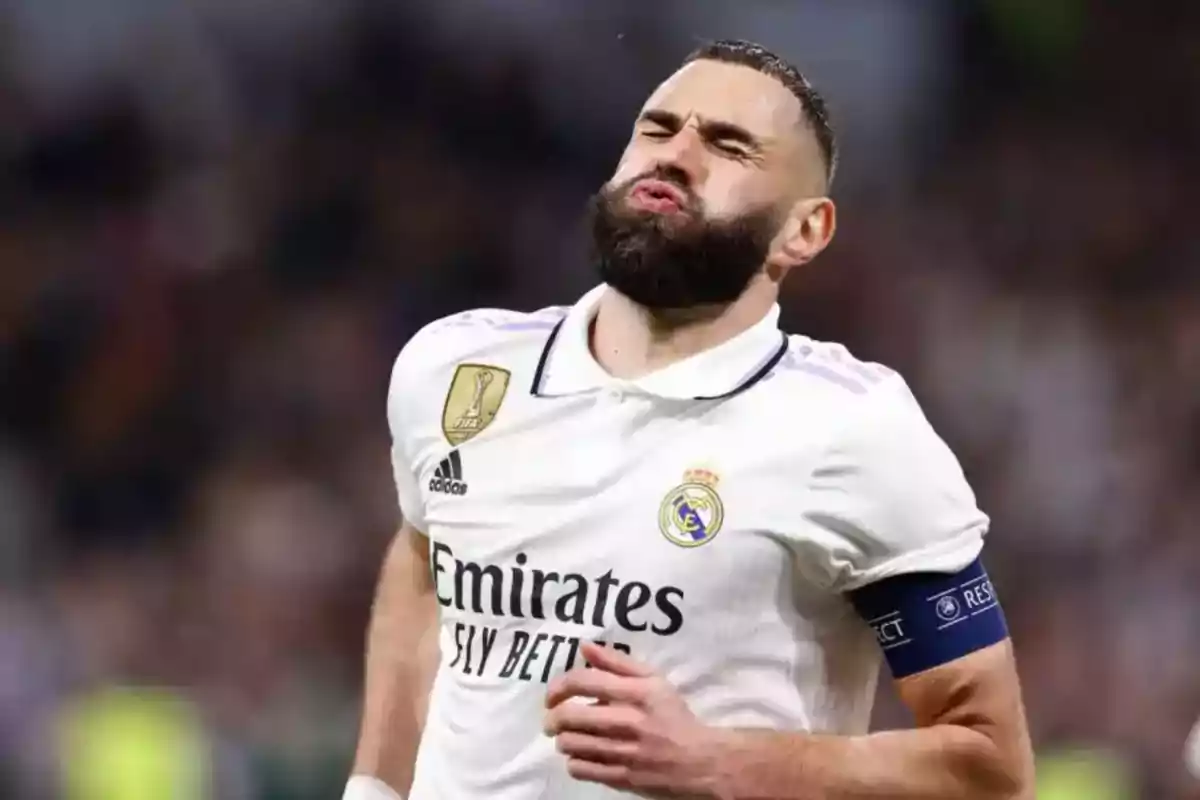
[658, 196]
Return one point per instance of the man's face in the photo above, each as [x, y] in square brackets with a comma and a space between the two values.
[702, 190]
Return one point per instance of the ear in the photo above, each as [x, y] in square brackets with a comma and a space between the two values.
[808, 230]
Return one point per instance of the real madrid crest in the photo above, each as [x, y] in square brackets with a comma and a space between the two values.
[691, 514]
[472, 401]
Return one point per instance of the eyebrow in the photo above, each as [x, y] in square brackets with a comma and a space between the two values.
[711, 130]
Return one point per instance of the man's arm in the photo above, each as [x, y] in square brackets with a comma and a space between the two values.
[971, 742]
[890, 523]
[402, 653]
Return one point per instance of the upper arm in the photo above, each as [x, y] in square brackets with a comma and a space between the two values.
[904, 541]
[887, 497]
[980, 688]
[410, 556]
[981, 692]
[401, 427]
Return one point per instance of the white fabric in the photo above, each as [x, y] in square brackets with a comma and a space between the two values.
[830, 478]
[365, 787]
[1191, 752]
[571, 367]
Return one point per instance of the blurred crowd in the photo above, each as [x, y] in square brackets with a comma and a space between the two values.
[212, 245]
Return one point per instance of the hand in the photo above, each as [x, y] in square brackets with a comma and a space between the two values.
[638, 736]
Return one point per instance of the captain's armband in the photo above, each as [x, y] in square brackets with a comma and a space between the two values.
[923, 620]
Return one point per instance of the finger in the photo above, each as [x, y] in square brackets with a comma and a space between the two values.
[597, 749]
[616, 776]
[613, 660]
[603, 686]
[614, 722]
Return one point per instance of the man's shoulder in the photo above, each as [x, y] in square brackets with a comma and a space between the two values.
[477, 333]
[866, 406]
[829, 368]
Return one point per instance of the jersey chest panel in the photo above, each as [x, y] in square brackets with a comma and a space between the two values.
[586, 518]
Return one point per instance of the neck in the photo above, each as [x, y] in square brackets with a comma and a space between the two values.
[630, 341]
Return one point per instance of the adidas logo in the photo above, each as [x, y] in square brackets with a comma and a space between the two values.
[448, 478]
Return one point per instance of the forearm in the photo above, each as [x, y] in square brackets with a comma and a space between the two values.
[402, 652]
[942, 761]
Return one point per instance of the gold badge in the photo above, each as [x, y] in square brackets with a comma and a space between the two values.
[692, 513]
[474, 398]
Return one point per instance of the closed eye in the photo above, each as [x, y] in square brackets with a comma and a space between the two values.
[657, 134]
[725, 137]
[731, 149]
[657, 124]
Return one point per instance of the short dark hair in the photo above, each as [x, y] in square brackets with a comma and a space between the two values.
[755, 56]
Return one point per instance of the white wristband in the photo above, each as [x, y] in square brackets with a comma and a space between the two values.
[365, 787]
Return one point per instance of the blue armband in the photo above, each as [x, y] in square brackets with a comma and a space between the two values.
[927, 619]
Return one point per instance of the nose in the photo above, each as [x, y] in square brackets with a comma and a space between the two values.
[684, 151]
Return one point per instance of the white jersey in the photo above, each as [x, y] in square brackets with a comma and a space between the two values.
[708, 519]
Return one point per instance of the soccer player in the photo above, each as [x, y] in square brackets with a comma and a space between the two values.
[652, 545]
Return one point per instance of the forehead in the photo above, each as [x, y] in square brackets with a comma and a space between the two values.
[733, 93]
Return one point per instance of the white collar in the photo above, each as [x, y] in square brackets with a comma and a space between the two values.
[567, 365]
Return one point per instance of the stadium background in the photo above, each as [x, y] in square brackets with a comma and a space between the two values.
[220, 219]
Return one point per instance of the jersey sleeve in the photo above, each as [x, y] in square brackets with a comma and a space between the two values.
[888, 498]
[401, 427]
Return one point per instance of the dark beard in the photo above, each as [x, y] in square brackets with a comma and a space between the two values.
[680, 262]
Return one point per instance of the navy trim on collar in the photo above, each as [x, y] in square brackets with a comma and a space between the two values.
[539, 374]
[761, 373]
